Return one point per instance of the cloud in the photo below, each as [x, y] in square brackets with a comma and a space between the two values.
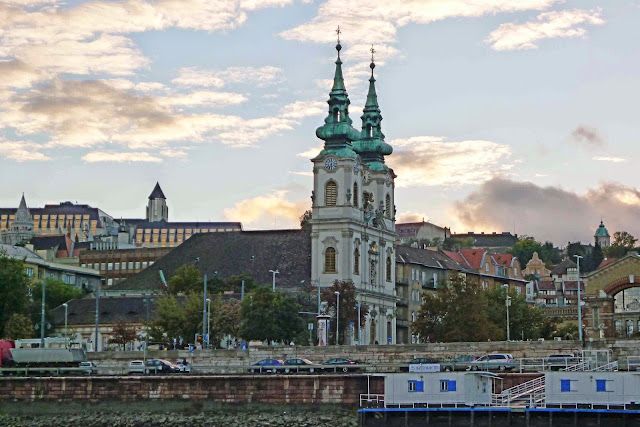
[203, 97]
[174, 154]
[549, 213]
[266, 211]
[311, 152]
[405, 217]
[21, 151]
[428, 160]
[587, 136]
[610, 159]
[548, 25]
[194, 77]
[303, 109]
[18, 74]
[100, 156]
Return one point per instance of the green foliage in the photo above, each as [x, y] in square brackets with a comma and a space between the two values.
[526, 246]
[13, 290]
[233, 283]
[624, 239]
[187, 279]
[18, 326]
[524, 319]
[458, 312]
[305, 218]
[615, 251]
[122, 334]
[575, 248]
[269, 316]
[225, 319]
[56, 293]
[568, 331]
[175, 319]
[457, 243]
[348, 309]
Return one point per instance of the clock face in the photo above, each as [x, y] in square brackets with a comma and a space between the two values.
[330, 164]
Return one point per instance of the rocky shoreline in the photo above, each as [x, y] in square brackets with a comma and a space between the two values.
[171, 414]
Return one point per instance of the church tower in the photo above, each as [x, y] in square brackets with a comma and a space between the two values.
[157, 209]
[22, 226]
[353, 223]
[602, 236]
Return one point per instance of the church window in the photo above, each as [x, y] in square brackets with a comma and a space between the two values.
[388, 269]
[330, 260]
[331, 193]
[356, 261]
[355, 194]
[387, 204]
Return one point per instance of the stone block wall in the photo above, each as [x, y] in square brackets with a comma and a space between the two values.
[302, 389]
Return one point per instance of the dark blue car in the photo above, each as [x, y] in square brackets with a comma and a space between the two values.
[266, 366]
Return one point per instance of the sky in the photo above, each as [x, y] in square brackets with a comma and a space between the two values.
[504, 115]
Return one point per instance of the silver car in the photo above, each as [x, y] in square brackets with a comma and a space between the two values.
[493, 362]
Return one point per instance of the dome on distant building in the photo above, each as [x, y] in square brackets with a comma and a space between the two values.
[602, 231]
[602, 236]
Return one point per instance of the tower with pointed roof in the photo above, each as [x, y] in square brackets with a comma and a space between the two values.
[602, 237]
[353, 220]
[157, 209]
[22, 227]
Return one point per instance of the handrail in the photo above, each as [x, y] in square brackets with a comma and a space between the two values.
[609, 367]
[582, 366]
[377, 399]
[534, 388]
[633, 361]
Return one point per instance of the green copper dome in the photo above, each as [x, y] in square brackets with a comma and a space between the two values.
[371, 146]
[337, 131]
[602, 231]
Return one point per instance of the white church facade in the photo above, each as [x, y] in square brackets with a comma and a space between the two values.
[353, 212]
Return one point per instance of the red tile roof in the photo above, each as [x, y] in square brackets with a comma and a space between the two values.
[457, 258]
[607, 261]
[473, 257]
[503, 259]
[573, 286]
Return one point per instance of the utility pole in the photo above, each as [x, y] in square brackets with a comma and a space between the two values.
[337, 317]
[42, 325]
[358, 323]
[95, 344]
[274, 272]
[507, 303]
[204, 312]
[578, 257]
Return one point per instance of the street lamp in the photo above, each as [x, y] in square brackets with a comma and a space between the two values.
[274, 272]
[337, 317]
[42, 325]
[208, 321]
[359, 331]
[95, 344]
[578, 258]
[507, 303]
[66, 306]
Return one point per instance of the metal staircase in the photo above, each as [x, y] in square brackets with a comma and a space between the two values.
[530, 394]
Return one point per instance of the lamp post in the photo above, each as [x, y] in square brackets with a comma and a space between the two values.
[146, 301]
[507, 303]
[42, 325]
[337, 317]
[578, 258]
[358, 323]
[95, 344]
[274, 272]
[208, 321]
[66, 307]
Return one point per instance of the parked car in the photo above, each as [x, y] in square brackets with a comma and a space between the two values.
[298, 365]
[493, 362]
[340, 364]
[90, 368]
[136, 367]
[422, 364]
[560, 361]
[184, 366]
[266, 366]
[460, 363]
[161, 366]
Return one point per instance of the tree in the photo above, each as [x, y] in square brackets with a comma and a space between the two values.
[457, 243]
[225, 319]
[187, 279]
[624, 239]
[56, 293]
[18, 326]
[14, 284]
[233, 283]
[456, 313]
[269, 316]
[178, 318]
[305, 218]
[526, 246]
[524, 320]
[348, 310]
[122, 334]
[574, 249]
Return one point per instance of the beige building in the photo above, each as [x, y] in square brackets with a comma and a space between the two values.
[537, 268]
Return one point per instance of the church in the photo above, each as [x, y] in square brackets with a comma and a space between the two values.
[353, 212]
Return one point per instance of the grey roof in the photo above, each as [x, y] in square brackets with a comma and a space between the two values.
[157, 192]
[490, 240]
[427, 258]
[230, 254]
[19, 252]
[111, 309]
[48, 242]
[561, 268]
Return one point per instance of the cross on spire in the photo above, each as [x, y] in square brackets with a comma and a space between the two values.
[372, 65]
[372, 50]
[338, 32]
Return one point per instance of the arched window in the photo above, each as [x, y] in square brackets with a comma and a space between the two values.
[355, 194]
[331, 193]
[388, 269]
[387, 206]
[369, 131]
[330, 260]
[356, 261]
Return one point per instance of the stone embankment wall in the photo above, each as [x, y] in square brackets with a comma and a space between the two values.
[222, 361]
[299, 389]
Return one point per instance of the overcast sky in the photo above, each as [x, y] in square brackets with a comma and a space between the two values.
[501, 113]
